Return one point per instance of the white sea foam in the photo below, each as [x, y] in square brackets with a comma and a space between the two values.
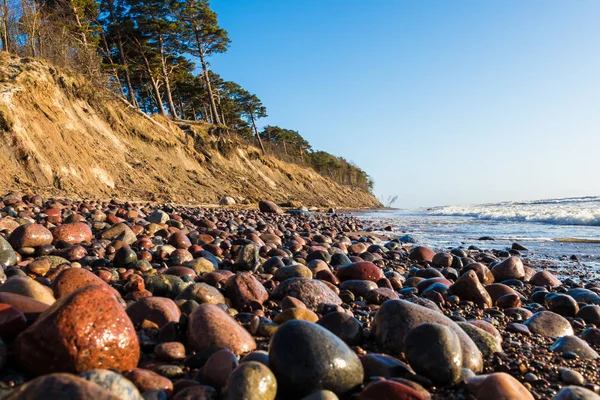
[571, 211]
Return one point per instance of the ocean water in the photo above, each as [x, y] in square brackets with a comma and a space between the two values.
[552, 229]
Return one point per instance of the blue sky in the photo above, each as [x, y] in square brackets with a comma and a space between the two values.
[441, 102]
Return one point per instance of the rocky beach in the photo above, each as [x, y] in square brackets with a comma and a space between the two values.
[119, 300]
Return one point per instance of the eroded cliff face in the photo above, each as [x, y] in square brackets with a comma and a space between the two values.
[58, 138]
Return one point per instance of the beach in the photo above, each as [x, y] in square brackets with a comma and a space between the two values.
[120, 300]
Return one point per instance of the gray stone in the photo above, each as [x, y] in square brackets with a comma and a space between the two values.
[358, 287]
[8, 258]
[584, 296]
[158, 217]
[395, 318]
[547, 323]
[486, 342]
[433, 350]
[311, 292]
[306, 357]
[115, 383]
[576, 393]
[575, 345]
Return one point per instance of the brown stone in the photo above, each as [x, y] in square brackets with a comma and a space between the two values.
[210, 326]
[146, 380]
[28, 287]
[421, 253]
[71, 279]
[180, 241]
[360, 271]
[30, 235]
[387, 389]
[12, 321]
[545, 278]
[243, 289]
[498, 385]
[511, 268]
[59, 386]
[159, 310]
[29, 307]
[73, 233]
[268, 207]
[497, 290]
[468, 287]
[86, 330]
[295, 313]
[218, 367]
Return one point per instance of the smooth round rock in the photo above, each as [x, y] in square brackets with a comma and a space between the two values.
[379, 390]
[547, 323]
[545, 278]
[434, 351]
[590, 314]
[498, 385]
[395, 318]
[170, 351]
[85, 330]
[12, 321]
[243, 289]
[252, 380]
[562, 304]
[573, 344]
[210, 326]
[306, 357]
[576, 393]
[343, 325]
[309, 291]
[115, 383]
[73, 233]
[8, 257]
[487, 343]
[421, 253]
[30, 235]
[71, 279]
[218, 367]
[363, 270]
[158, 310]
[511, 268]
[468, 287]
[201, 293]
[146, 380]
[60, 386]
[29, 288]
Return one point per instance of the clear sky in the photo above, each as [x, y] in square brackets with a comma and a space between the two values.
[441, 102]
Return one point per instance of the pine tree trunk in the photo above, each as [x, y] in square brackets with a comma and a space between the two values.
[5, 45]
[159, 103]
[163, 63]
[257, 135]
[132, 97]
[213, 105]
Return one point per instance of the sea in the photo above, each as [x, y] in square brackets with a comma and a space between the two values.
[553, 230]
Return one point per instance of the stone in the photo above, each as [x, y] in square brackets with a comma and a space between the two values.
[179, 240]
[486, 326]
[545, 278]
[511, 268]
[487, 343]
[165, 285]
[571, 377]
[247, 259]
[146, 380]
[73, 233]
[196, 392]
[120, 231]
[87, 329]
[29, 288]
[12, 321]
[292, 271]
[210, 326]
[434, 351]
[547, 323]
[159, 310]
[29, 307]
[381, 389]
[71, 279]
[30, 235]
[251, 381]
[321, 395]
[381, 295]
[170, 351]
[309, 291]
[360, 271]
[8, 257]
[60, 386]
[269, 207]
[383, 365]
[306, 357]
[468, 287]
[497, 290]
[227, 201]
[218, 367]
[582, 295]
[576, 393]
[243, 289]
[158, 217]
[115, 383]
[498, 385]
[202, 293]
[295, 313]
[442, 260]
[421, 253]
[592, 336]
[395, 318]
[201, 265]
[573, 344]
[358, 287]
[590, 314]
[343, 325]
[562, 304]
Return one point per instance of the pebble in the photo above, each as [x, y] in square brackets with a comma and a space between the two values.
[158, 310]
[218, 367]
[60, 386]
[576, 393]
[301, 354]
[146, 380]
[378, 390]
[29, 288]
[434, 350]
[468, 287]
[309, 291]
[498, 385]
[343, 325]
[210, 326]
[573, 344]
[170, 351]
[395, 318]
[243, 289]
[547, 323]
[251, 381]
[30, 235]
[115, 383]
[87, 330]
[571, 377]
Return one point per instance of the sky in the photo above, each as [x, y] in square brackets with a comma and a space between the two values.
[440, 102]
